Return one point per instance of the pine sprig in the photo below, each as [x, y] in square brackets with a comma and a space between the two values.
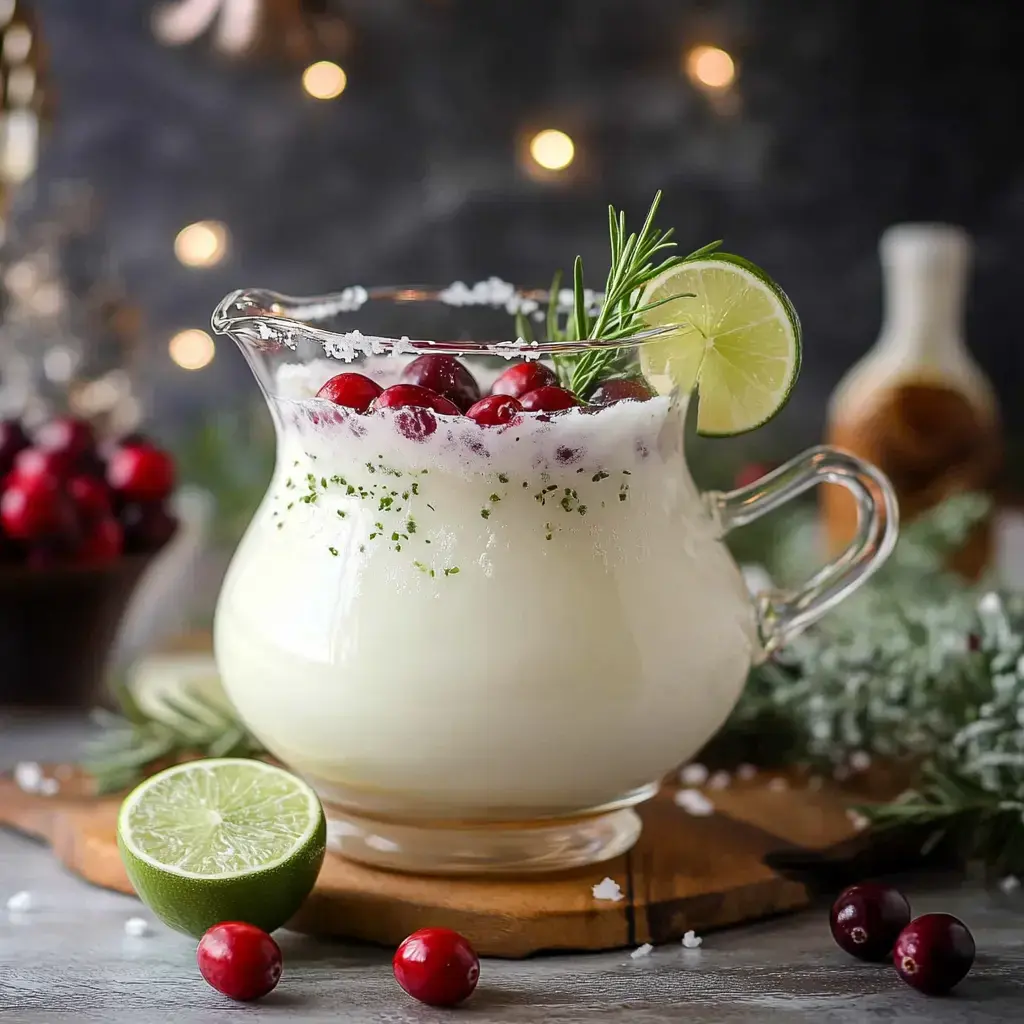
[636, 259]
[185, 725]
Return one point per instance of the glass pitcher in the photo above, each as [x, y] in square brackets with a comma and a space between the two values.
[485, 645]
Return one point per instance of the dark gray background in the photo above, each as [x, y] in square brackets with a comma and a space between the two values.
[851, 114]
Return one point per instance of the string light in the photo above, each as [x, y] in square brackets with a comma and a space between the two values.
[192, 349]
[710, 67]
[202, 244]
[324, 80]
[552, 149]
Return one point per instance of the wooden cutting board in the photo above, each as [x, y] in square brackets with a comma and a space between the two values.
[686, 872]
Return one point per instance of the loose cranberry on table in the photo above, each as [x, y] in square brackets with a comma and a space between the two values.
[867, 918]
[148, 526]
[445, 375]
[522, 378]
[141, 473]
[494, 410]
[549, 399]
[352, 390]
[437, 966]
[622, 389]
[12, 440]
[239, 960]
[934, 953]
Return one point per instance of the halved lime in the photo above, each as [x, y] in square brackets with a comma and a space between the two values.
[738, 343]
[222, 839]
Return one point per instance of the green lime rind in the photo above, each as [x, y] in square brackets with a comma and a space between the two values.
[741, 383]
[222, 839]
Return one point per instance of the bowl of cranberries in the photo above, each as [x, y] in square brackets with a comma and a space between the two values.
[80, 521]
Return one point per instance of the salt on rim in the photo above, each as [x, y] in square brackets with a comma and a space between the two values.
[607, 889]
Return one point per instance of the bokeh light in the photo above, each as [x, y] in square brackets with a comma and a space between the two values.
[192, 349]
[202, 244]
[324, 80]
[710, 67]
[552, 149]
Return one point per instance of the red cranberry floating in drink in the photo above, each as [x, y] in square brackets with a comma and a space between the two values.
[522, 378]
[622, 389]
[867, 918]
[415, 407]
[934, 953]
[90, 496]
[352, 390]
[102, 543]
[445, 375]
[70, 437]
[494, 410]
[239, 960]
[35, 507]
[548, 399]
[12, 440]
[437, 966]
[141, 473]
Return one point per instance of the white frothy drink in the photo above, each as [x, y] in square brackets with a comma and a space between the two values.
[492, 623]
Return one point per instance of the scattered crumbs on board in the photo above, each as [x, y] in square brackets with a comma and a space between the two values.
[694, 802]
[607, 889]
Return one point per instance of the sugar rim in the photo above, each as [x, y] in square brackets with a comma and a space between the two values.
[265, 319]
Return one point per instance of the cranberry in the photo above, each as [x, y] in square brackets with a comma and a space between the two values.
[352, 390]
[548, 399]
[141, 473]
[445, 375]
[91, 497]
[750, 473]
[622, 389]
[239, 960]
[35, 462]
[416, 407]
[866, 919]
[934, 953]
[436, 966]
[522, 378]
[12, 440]
[103, 542]
[494, 410]
[72, 438]
[34, 507]
[148, 526]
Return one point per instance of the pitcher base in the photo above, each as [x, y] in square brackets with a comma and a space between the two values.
[501, 849]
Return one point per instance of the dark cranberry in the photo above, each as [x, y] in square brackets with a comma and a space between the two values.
[866, 919]
[91, 497]
[548, 399]
[934, 953]
[622, 389]
[72, 438]
[445, 375]
[103, 542]
[436, 966]
[352, 390]
[141, 473]
[522, 378]
[239, 960]
[33, 462]
[494, 410]
[12, 440]
[400, 396]
[35, 507]
[148, 526]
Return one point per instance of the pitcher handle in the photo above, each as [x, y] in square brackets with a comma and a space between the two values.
[785, 613]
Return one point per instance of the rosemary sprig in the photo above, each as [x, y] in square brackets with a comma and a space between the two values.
[133, 740]
[634, 263]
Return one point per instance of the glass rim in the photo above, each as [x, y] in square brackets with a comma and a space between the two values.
[265, 319]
